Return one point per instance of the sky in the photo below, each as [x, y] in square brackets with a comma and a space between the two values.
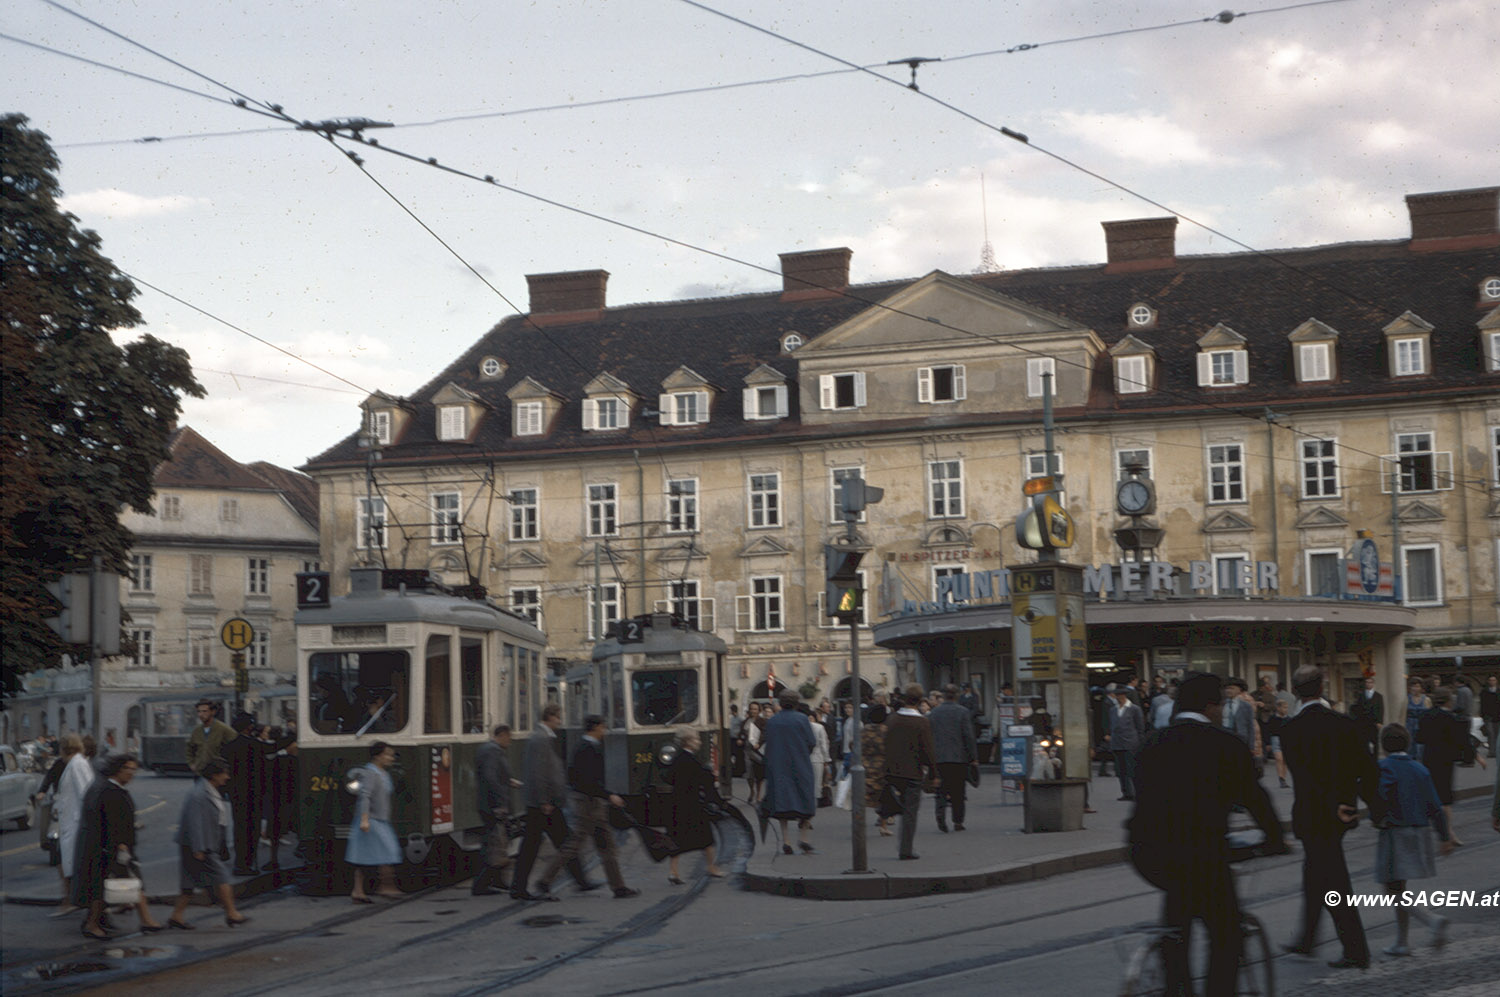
[1280, 128]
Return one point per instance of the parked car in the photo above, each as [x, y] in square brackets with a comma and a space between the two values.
[17, 787]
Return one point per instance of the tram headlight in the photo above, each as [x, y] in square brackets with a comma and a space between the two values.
[666, 753]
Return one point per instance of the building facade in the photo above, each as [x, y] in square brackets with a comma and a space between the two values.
[584, 462]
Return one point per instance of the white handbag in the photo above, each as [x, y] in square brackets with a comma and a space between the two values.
[841, 793]
[122, 890]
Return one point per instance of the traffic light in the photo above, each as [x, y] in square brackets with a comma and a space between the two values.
[855, 494]
[1045, 524]
[71, 623]
[843, 597]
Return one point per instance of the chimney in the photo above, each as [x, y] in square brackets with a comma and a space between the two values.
[1454, 219]
[570, 296]
[817, 273]
[1140, 244]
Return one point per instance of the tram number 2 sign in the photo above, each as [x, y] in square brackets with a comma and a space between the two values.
[312, 590]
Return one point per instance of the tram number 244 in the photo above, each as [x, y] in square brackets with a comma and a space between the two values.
[323, 783]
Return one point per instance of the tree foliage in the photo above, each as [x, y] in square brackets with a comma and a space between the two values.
[85, 421]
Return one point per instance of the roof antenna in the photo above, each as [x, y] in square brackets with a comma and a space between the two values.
[987, 261]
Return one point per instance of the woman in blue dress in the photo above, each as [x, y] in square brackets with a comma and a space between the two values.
[372, 840]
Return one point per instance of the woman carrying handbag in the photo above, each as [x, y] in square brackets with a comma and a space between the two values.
[106, 848]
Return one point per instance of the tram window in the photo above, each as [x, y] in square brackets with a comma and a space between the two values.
[471, 683]
[665, 697]
[438, 711]
[616, 695]
[348, 688]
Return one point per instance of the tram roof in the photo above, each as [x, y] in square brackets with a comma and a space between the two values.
[661, 636]
[372, 603]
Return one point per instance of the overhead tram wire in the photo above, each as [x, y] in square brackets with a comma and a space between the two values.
[357, 136]
[1224, 17]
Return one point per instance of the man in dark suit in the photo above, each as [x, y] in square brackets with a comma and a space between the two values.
[1368, 710]
[545, 791]
[248, 759]
[591, 802]
[1331, 769]
[493, 786]
[955, 750]
[1190, 774]
[1127, 732]
[908, 755]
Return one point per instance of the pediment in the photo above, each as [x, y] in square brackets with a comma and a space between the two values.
[682, 378]
[452, 394]
[1408, 323]
[763, 375]
[1228, 521]
[1421, 512]
[947, 535]
[381, 400]
[1132, 347]
[1491, 320]
[1313, 331]
[936, 310]
[607, 556]
[839, 537]
[528, 388]
[523, 557]
[1319, 517]
[1219, 337]
[606, 384]
[765, 547]
[683, 550]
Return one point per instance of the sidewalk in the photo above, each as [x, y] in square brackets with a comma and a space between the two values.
[992, 851]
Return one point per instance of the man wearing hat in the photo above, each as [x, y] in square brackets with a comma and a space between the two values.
[1127, 732]
[1191, 773]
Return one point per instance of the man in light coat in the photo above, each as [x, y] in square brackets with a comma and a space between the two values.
[1127, 733]
[954, 748]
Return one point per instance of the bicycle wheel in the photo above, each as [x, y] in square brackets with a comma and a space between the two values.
[1257, 975]
[1145, 975]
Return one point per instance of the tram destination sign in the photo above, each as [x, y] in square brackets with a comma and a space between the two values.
[359, 633]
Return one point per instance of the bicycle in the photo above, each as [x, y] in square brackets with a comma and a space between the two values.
[1145, 973]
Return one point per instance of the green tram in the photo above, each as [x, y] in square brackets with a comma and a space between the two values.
[401, 660]
[651, 677]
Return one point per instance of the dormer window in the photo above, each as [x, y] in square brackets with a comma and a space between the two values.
[606, 413]
[684, 408]
[936, 385]
[790, 342]
[766, 401]
[528, 418]
[1223, 368]
[453, 423]
[491, 368]
[1141, 316]
[379, 425]
[1407, 346]
[1489, 289]
[1314, 352]
[1313, 362]
[841, 391]
[1410, 357]
[1131, 375]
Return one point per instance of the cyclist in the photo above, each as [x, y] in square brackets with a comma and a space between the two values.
[1192, 773]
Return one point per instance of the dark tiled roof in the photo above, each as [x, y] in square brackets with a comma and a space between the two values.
[1357, 289]
[298, 489]
[197, 463]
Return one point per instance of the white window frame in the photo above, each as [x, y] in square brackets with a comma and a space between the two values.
[258, 654]
[763, 511]
[1034, 463]
[311, 565]
[1439, 465]
[229, 510]
[1142, 316]
[200, 574]
[1120, 452]
[1218, 559]
[790, 342]
[1495, 456]
[609, 596]
[945, 489]
[1212, 372]
[525, 515]
[379, 425]
[171, 507]
[258, 576]
[764, 609]
[145, 648]
[375, 510]
[1437, 574]
[1408, 356]
[605, 414]
[928, 384]
[447, 520]
[683, 408]
[142, 571]
[528, 419]
[200, 649]
[526, 600]
[685, 600]
[1226, 474]
[453, 422]
[756, 397]
[602, 501]
[941, 571]
[836, 476]
[827, 622]
[1491, 352]
[1314, 362]
[682, 505]
[1132, 375]
[1319, 471]
[828, 390]
[491, 367]
[1035, 368]
[1307, 570]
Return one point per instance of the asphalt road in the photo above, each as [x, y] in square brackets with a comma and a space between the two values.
[1070, 934]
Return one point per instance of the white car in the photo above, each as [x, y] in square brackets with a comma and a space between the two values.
[16, 789]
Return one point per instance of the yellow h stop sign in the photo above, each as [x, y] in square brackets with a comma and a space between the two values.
[237, 634]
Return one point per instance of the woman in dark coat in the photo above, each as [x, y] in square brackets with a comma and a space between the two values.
[1446, 741]
[691, 784]
[106, 838]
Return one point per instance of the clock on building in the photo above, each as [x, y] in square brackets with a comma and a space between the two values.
[1135, 497]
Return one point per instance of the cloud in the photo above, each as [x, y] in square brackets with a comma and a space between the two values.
[1144, 138]
[114, 203]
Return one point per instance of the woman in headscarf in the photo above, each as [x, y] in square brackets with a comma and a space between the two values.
[203, 846]
[692, 785]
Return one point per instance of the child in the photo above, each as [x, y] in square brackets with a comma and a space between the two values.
[1404, 850]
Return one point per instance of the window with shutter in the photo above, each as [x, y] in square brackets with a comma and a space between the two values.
[1035, 368]
[1314, 361]
[452, 424]
[1130, 375]
[841, 391]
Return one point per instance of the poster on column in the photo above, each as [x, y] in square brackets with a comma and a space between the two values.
[441, 789]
